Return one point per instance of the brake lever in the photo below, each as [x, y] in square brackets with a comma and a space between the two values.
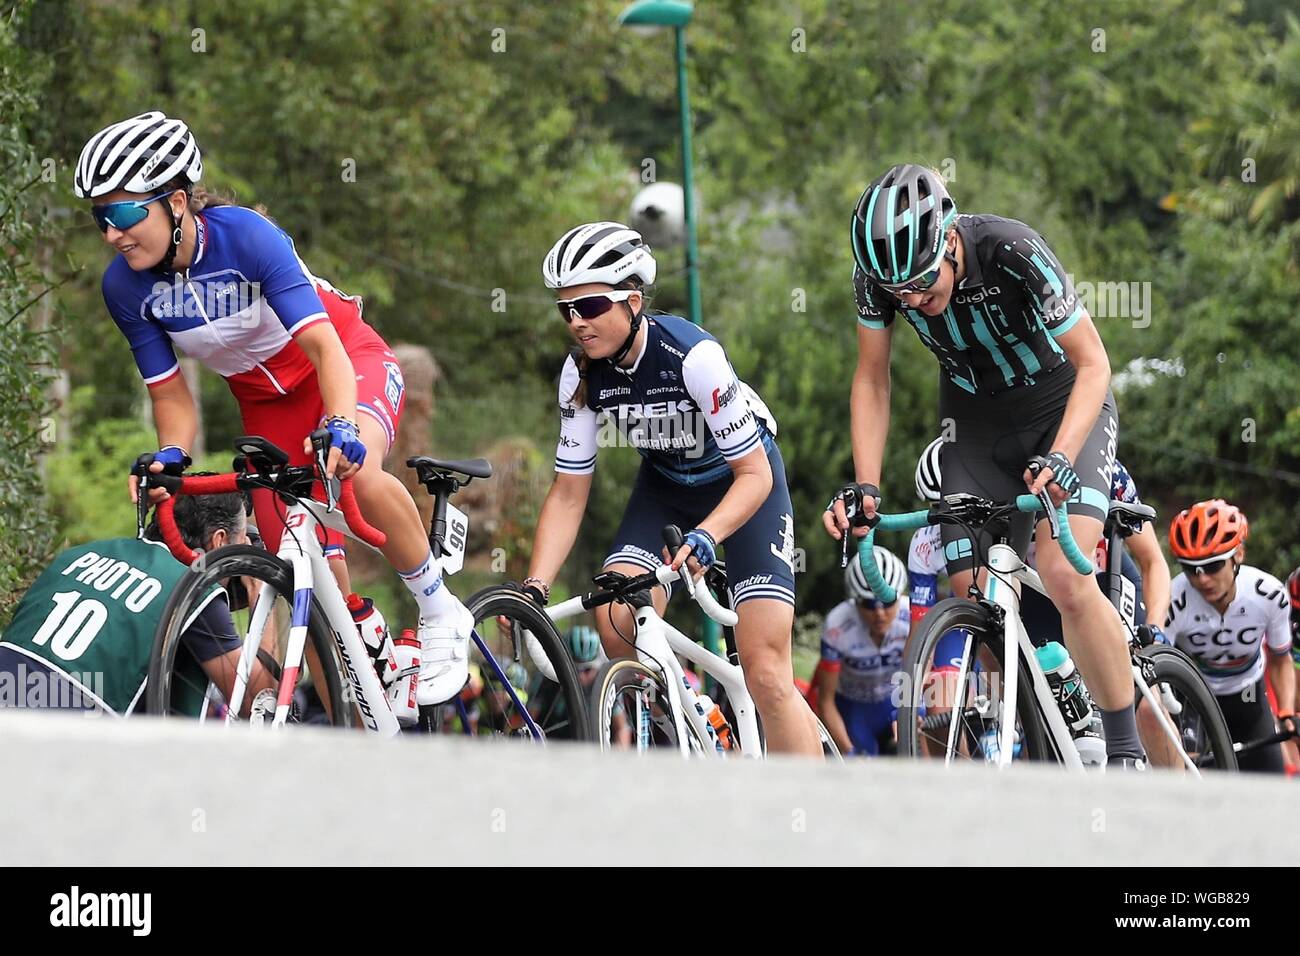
[320, 443]
[1045, 499]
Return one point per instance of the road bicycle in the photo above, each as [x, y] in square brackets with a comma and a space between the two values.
[998, 721]
[302, 658]
[650, 694]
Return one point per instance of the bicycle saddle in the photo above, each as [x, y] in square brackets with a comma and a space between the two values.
[469, 467]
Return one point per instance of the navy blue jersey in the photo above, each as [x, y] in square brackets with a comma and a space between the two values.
[680, 405]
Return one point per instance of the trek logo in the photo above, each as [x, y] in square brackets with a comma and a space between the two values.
[668, 348]
[724, 397]
[651, 409]
[76, 909]
[974, 298]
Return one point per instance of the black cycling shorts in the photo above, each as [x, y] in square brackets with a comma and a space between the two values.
[994, 438]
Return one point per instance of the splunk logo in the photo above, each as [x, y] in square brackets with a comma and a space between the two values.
[75, 908]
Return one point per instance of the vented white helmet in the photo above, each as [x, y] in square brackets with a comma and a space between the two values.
[891, 569]
[137, 155]
[606, 252]
[929, 479]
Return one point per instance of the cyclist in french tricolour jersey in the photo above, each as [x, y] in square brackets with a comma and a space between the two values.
[225, 285]
[862, 651]
[1026, 382]
[1234, 622]
[710, 463]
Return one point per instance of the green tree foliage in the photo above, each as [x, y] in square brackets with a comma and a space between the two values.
[27, 354]
[425, 154]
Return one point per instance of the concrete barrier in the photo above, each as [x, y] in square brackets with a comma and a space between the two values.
[100, 792]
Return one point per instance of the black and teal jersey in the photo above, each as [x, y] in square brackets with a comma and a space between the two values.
[1000, 326]
[90, 620]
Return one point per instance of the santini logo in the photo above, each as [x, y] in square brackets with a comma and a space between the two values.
[102, 909]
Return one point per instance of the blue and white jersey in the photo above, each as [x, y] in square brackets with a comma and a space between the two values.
[866, 668]
[680, 405]
[925, 564]
[236, 309]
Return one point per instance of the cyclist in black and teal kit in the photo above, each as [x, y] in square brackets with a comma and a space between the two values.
[83, 632]
[1025, 379]
[710, 463]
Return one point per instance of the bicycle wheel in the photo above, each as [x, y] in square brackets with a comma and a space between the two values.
[925, 713]
[178, 686]
[518, 688]
[829, 750]
[1191, 706]
[631, 710]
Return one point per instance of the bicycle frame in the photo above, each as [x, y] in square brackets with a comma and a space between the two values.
[657, 645]
[300, 548]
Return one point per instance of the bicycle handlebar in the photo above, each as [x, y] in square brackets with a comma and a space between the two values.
[911, 520]
[225, 484]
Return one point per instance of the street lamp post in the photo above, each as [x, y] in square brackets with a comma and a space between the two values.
[677, 14]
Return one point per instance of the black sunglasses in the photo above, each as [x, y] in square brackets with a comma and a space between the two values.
[591, 306]
[1214, 567]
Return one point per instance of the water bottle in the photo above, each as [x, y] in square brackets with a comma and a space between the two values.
[401, 695]
[1076, 704]
[712, 713]
[374, 632]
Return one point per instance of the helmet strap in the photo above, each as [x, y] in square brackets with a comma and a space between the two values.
[165, 263]
[626, 347]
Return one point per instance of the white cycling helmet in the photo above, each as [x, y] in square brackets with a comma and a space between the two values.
[891, 569]
[929, 479]
[137, 155]
[607, 252]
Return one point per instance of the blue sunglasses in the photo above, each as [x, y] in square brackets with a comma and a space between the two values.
[124, 215]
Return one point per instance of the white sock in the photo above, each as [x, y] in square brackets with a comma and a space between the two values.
[425, 584]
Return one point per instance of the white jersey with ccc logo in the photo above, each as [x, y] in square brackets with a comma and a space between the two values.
[1228, 647]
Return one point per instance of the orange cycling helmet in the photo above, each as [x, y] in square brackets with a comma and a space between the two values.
[1207, 530]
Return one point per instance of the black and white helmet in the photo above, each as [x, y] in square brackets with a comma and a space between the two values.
[607, 252]
[891, 569]
[137, 155]
[929, 479]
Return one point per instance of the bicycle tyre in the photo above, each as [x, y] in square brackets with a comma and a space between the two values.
[1174, 667]
[943, 617]
[509, 602]
[243, 561]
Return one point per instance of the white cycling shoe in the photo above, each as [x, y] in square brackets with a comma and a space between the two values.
[444, 657]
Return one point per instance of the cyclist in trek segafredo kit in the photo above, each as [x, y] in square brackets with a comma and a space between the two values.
[225, 285]
[862, 649]
[81, 637]
[1026, 380]
[710, 463]
[1234, 622]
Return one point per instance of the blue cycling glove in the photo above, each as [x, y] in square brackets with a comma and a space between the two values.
[173, 459]
[702, 546]
[343, 436]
